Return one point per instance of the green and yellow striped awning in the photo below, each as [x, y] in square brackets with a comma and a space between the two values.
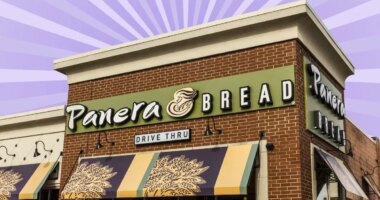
[24, 181]
[187, 172]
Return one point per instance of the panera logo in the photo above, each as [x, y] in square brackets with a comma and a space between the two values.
[183, 102]
[180, 106]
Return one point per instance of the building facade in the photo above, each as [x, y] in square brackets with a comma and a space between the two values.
[30, 154]
[244, 108]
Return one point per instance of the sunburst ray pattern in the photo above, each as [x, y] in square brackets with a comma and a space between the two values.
[34, 33]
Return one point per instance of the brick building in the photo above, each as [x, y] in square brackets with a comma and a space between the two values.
[249, 107]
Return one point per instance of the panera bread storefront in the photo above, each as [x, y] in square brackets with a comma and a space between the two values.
[245, 108]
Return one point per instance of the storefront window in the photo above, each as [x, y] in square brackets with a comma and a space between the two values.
[328, 186]
[366, 188]
[54, 174]
[48, 194]
[369, 189]
[196, 198]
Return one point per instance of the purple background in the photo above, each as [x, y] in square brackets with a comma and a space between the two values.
[34, 33]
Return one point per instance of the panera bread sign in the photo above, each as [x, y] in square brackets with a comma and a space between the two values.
[324, 106]
[240, 93]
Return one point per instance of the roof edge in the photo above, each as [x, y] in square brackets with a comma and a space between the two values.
[329, 37]
[35, 115]
[155, 51]
[79, 58]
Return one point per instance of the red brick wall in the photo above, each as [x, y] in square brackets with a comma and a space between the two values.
[365, 154]
[280, 124]
[306, 187]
